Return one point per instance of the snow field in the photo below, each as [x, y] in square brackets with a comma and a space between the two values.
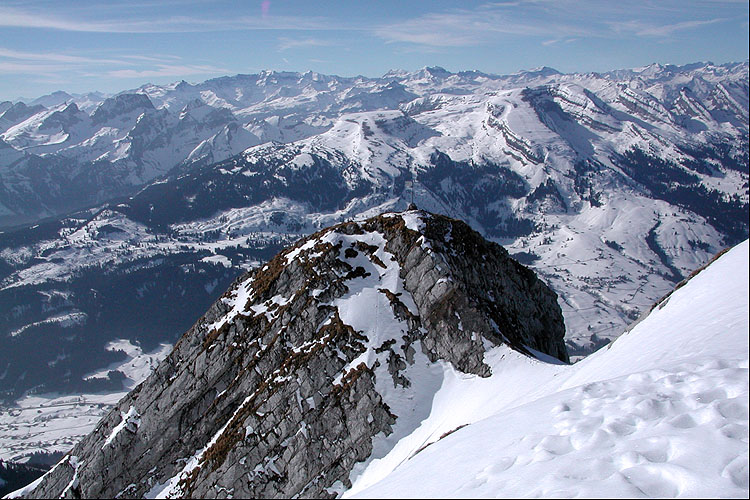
[647, 435]
[662, 412]
[139, 364]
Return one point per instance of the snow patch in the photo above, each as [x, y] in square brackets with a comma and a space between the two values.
[138, 364]
[66, 320]
[414, 221]
[218, 259]
[130, 421]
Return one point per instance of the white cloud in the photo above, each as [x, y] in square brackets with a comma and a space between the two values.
[54, 57]
[464, 27]
[159, 58]
[293, 43]
[21, 68]
[551, 21]
[18, 18]
[166, 70]
[556, 41]
[50, 63]
[663, 30]
[25, 18]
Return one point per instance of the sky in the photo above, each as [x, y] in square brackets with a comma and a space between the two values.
[108, 46]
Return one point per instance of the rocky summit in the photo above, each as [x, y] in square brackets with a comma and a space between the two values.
[311, 368]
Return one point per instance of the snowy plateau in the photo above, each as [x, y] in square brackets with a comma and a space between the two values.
[122, 218]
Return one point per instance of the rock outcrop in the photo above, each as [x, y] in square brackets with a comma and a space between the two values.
[305, 366]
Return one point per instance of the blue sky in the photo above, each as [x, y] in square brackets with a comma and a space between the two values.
[87, 45]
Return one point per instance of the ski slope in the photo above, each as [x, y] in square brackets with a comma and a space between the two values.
[661, 412]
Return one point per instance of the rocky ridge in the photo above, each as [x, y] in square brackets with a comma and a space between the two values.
[307, 370]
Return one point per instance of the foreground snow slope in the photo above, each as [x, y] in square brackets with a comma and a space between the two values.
[661, 412]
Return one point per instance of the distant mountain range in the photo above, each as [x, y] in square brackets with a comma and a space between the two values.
[132, 212]
[62, 152]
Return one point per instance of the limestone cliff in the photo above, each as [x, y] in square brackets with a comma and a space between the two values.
[307, 368]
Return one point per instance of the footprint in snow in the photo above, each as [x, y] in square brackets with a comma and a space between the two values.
[661, 481]
[737, 471]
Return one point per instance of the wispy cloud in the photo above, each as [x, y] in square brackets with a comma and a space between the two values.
[552, 21]
[19, 18]
[22, 68]
[648, 29]
[466, 27]
[54, 57]
[293, 43]
[21, 62]
[24, 18]
[164, 70]
[556, 41]
[53, 64]
[152, 58]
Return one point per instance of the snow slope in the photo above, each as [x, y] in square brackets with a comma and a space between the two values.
[661, 412]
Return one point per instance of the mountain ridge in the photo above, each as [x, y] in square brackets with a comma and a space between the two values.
[278, 106]
[606, 426]
[309, 365]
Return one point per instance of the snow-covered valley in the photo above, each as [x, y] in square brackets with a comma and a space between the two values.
[52, 423]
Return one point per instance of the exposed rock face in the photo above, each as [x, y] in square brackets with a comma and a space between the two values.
[299, 371]
[120, 105]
